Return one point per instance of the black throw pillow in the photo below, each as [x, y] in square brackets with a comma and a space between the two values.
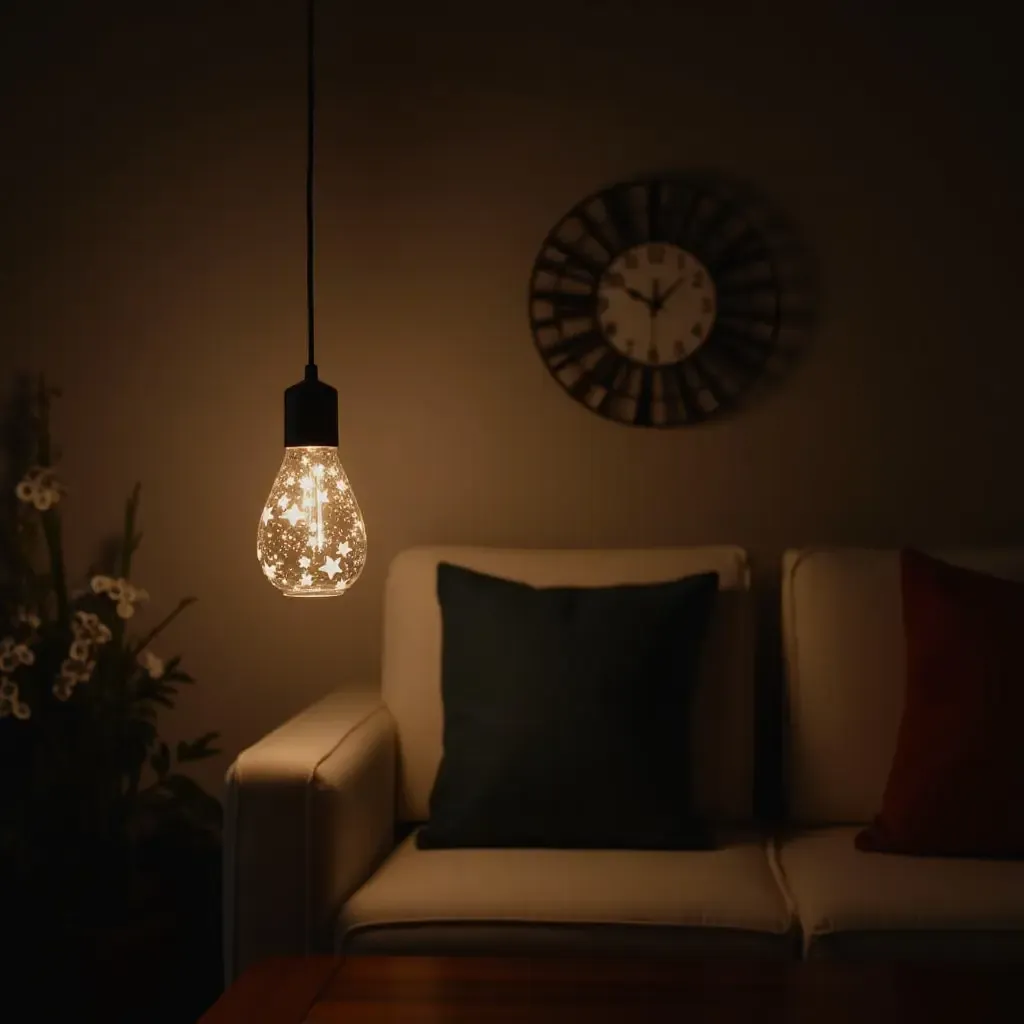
[566, 714]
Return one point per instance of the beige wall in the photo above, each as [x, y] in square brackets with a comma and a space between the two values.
[152, 264]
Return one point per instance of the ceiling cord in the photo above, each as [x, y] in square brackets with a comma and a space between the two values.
[310, 80]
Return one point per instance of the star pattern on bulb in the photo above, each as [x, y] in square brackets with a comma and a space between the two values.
[309, 541]
[330, 567]
[293, 515]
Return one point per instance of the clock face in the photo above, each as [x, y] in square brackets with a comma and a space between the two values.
[655, 303]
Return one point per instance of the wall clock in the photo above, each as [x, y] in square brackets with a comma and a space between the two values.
[656, 302]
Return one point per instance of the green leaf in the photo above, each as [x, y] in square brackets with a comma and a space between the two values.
[198, 749]
[161, 761]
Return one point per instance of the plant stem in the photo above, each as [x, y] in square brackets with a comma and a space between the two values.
[163, 623]
[52, 532]
[51, 517]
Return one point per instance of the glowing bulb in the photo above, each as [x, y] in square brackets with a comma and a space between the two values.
[312, 539]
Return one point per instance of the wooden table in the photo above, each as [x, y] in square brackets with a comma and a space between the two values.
[491, 990]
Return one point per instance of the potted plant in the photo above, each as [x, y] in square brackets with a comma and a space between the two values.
[100, 829]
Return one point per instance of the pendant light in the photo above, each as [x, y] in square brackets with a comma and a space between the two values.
[311, 540]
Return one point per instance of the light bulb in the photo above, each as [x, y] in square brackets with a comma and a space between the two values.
[312, 539]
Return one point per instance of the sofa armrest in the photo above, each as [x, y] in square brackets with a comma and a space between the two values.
[309, 814]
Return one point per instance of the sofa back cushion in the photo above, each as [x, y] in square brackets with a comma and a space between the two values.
[722, 723]
[845, 664]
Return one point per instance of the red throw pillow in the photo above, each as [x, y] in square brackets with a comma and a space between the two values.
[956, 785]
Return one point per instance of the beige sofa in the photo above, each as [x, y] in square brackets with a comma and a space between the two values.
[319, 854]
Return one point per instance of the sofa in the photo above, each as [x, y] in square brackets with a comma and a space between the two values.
[320, 851]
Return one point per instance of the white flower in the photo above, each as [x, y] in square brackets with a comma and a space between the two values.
[123, 593]
[39, 487]
[79, 650]
[282, 502]
[88, 627]
[153, 665]
[342, 486]
[306, 483]
[270, 571]
[268, 514]
[100, 585]
[74, 672]
[341, 585]
[344, 548]
[307, 580]
[304, 562]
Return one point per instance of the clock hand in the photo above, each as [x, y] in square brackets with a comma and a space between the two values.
[633, 293]
[671, 288]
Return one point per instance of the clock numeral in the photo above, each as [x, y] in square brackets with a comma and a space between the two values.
[680, 349]
[698, 279]
[611, 329]
[707, 305]
[631, 260]
[656, 254]
[629, 345]
[697, 330]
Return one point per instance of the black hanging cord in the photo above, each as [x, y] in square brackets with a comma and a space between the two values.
[310, 81]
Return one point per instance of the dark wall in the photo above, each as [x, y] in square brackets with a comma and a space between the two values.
[152, 175]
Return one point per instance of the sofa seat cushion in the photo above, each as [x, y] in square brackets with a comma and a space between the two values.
[889, 906]
[498, 901]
